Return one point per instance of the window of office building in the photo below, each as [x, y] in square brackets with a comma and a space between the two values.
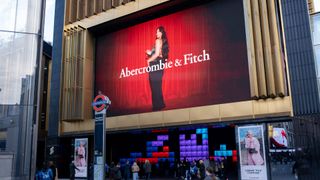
[315, 27]
[19, 57]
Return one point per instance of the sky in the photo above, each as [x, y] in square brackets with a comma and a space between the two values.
[317, 5]
[49, 21]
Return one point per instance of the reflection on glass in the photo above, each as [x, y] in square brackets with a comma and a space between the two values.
[19, 28]
[18, 63]
[282, 150]
[19, 15]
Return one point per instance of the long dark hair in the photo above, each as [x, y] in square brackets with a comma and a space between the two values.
[165, 44]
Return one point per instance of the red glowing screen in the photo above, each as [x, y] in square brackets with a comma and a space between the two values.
[207, 60]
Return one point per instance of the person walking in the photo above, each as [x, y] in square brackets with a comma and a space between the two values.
[209, 174]
[53, 169]
[135, 171]
[147, 169]
[117, 172]
[45, 173]
[72, 169]
[126, 172]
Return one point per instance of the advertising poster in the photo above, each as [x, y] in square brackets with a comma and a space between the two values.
[81, 157]
[193, 57]
[279, 138]
[252, 153]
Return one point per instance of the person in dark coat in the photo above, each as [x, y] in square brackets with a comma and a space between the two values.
[72, 169]
[147, 169]
[202, 170]
[53, 169]
[111, 171]
[117, 172]
[127, 170]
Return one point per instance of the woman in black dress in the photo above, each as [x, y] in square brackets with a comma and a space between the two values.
[159, 54]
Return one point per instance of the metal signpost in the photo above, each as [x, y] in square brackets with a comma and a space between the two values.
[100, 106]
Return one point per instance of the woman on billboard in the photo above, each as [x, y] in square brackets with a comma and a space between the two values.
[253, 148]
[81, 155]
[156, 56]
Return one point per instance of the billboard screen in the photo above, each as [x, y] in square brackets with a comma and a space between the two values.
[193, 57]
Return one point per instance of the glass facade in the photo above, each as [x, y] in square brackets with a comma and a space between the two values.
[20, 34]
[315, 26]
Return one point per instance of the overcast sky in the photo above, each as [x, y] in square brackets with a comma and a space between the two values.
[49, 20]
[317, 5]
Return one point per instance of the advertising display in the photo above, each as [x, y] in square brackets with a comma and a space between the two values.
[193, 57]
[279, 138]
[252, 153]
[81, 157]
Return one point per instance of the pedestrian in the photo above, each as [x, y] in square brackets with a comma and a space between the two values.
[112, 171]
[202, 170]
[117, 172]
[45, 173]
[147, 169]
[72, 169]
[209, 174]
[135, 171]
[126, 173]
[53, 169]
[193, 170]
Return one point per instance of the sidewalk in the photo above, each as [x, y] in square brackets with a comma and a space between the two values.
[139, 179]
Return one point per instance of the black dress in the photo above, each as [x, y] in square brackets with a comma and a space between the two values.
[155, 80]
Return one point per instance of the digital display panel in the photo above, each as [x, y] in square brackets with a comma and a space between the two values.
[193, 57]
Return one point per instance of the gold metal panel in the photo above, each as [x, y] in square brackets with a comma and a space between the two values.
[260, 107]
[272, 107]
[250, 49]
[48, 93]
[86, 125]
[112, 122]
[146, 119]
[258, 49]
[128, 121]
[176, 116]
[236, 110]
[280, 105]
[275, 49]
[221, 112]
[267, 48]
[204, 113]
[114, 13]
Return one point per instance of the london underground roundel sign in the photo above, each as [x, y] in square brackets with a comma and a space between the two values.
[100, 102]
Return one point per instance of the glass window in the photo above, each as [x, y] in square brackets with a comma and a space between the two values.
[315, 27]
[18, 66]
[19, 15]
[8, 14]
[281, 150]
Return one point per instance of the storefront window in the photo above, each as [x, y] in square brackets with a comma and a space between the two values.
[281, 150]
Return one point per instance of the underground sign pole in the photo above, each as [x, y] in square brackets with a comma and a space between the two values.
[100, 105]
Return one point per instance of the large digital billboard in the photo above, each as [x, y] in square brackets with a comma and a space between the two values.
[193, 57]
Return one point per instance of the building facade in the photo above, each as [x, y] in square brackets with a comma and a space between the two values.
[21, 33]
[227, 70]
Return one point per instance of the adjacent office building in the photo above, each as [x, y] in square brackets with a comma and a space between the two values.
[21, 33]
